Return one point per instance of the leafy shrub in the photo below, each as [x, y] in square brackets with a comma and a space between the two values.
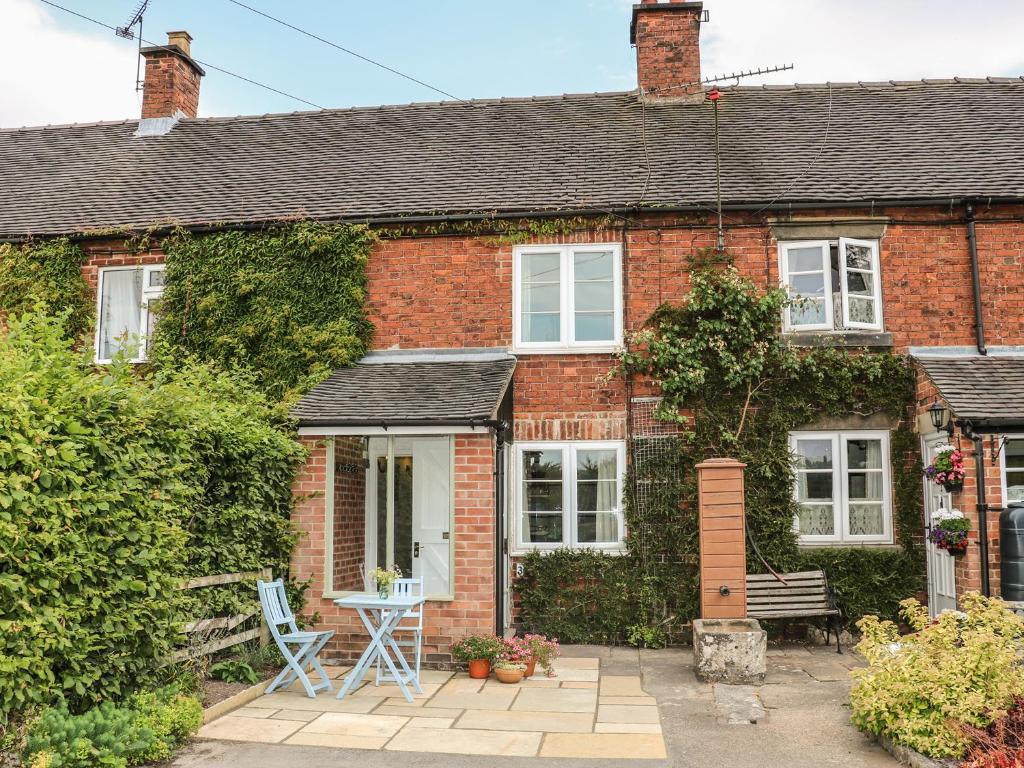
[233, 671]
[961, 670]
[147, 727]
[46, 272]
[90, 550]
[1001, 745]
[287, 302]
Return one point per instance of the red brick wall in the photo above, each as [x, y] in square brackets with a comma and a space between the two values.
[349, 513]
[473, 609]
[171, 84]
[667, 38]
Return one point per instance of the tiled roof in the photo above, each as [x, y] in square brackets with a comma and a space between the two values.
[980, 388]
[411, 388]
[885, 141]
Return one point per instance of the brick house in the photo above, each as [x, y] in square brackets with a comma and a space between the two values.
[483, 426]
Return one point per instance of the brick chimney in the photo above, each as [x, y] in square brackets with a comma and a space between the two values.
[667, 40]
[172, 78]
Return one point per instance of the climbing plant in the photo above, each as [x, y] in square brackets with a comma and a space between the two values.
[47, 272]
[288, 303]
[734, 386]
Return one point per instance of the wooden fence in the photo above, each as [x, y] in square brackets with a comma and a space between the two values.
[226, 623]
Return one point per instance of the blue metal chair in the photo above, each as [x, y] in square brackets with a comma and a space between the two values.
[307, 644]
[411, 623]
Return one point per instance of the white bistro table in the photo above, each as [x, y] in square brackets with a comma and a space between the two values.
[380, 616]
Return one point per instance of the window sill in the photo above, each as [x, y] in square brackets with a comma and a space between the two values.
[847, 545]
[839, 339]
[609, 349]
[611, 549]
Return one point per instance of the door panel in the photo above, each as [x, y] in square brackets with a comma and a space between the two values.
[941, 578]
[432, 514]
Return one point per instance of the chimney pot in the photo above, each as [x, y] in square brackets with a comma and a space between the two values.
[172, 78]
[667, 40]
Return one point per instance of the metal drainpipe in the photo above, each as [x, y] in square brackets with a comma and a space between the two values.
[499, 531]
[979, 461]
[972, 244]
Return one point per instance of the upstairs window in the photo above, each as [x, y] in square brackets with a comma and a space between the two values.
[125, 319]
[842, 486]
[835, 285]
[567, 298]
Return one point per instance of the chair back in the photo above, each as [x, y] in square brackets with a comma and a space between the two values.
[409, 588]
[275, 606]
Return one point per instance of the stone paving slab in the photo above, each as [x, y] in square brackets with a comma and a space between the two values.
[556, 700]
[249, 729]
[621, 685]
[338, 740]
[613, 713]
[348, 724]
[613, 746]
[469, 742]
[525, 720]
[490, 698]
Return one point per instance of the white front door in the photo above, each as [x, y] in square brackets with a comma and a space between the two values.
[941, 579]
[415, 532]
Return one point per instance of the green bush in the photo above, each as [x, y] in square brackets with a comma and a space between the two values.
[90, 549]
[145, 728]
[867, 581]
[962, 670]
[287, 302]
[234, 671]
[47, 272]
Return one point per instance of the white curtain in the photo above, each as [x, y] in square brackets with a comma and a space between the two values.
[866, 518]
[120, 310]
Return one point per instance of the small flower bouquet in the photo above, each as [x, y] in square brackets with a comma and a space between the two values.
[384, 578]
[949, 531]
[947, 468]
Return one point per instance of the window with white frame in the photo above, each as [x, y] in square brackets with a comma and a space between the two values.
[834, 285]
[569, 494]
[567, 297]
[125, 320]
[1013, 469]
[842, 486]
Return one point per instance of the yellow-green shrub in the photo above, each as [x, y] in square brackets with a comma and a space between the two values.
[961, 668]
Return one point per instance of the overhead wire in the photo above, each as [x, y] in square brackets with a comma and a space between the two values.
[198, 61]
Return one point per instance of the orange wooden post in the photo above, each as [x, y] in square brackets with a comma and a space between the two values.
[723, 553]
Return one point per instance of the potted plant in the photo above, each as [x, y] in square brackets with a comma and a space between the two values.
[384, 578]
[947, 468]
[518, 651]
[479, 652]
[949, 531]
[509, 671]
[543, 651]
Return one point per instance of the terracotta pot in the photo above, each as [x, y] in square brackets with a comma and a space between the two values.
[509, 675]
[531, 667]
[479, 669]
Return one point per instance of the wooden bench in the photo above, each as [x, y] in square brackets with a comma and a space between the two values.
[793, 596]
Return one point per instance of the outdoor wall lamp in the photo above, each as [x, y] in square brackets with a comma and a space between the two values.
[938, 416]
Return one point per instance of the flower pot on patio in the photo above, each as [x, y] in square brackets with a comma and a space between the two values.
[479, 669]
[531, 667]
[509, 673]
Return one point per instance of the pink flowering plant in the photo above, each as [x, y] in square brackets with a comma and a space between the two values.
[545, 650]
[516, 650]
[947, 468]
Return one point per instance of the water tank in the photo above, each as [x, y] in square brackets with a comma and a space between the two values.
[1011, 550]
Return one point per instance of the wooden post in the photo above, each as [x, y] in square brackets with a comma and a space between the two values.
[267, 574]
[723, 553]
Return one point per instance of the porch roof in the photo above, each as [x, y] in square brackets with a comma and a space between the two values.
[411, 388]
[986, 390]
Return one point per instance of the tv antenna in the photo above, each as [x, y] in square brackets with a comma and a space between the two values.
[128, 33]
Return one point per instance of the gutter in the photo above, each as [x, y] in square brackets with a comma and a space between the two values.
[491, 423]
[619, 211]
[972, 245]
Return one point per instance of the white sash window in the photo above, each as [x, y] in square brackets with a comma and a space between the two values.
[124, 317]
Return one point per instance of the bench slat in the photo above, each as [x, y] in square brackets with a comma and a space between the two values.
[790, 614]
[780, 590]
[787, 576]
[790, 595]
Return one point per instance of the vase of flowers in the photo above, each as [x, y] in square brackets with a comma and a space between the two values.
[479, 652]
[947, 468]
[949, 531]
[543, 651]
[384, 578]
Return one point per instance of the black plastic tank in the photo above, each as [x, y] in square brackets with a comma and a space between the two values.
[1011, 551]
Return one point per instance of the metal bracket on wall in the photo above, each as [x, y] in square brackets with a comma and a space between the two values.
[995, 450]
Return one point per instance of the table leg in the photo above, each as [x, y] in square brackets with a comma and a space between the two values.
[369, 655]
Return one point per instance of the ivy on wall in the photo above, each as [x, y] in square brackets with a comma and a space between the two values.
[288, 303]
[47, 272]
[735, 387]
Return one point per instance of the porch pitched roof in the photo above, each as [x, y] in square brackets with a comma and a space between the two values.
[411, 388]
[982, 389]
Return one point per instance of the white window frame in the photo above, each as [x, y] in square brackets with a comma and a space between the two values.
[829, 325]
[1002, 465]
[840, 470]
[569, 449]
[566, 309]
[148, 295]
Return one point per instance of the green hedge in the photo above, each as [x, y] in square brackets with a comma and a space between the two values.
[47, 272]
[115, 487]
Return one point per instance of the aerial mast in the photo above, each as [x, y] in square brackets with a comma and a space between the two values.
[128, 33]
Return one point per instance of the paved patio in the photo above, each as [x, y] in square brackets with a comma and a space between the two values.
[579, 713]
[798, 719]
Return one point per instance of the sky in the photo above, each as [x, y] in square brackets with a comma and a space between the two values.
[56, 68]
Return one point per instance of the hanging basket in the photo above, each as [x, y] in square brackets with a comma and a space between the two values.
[953, 487]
